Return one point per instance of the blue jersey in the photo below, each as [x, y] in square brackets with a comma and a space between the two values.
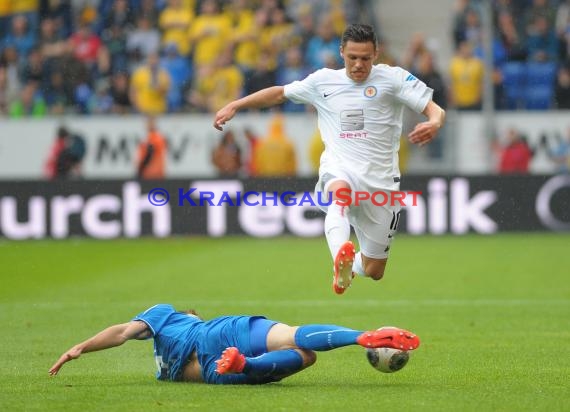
[176, 335]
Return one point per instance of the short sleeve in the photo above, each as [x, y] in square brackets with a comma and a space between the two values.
[412, 91]
[301, 91]
[156, 317]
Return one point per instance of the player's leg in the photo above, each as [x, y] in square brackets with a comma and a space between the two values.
[274, 356]
[369, 267]
[337, 233]
[375, 230]
[320, 337]
[290, 348]
[374, 268]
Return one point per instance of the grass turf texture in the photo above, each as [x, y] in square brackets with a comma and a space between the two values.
[493, 314]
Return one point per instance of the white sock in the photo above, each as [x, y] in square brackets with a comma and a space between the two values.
[337, 227]
[357, 265]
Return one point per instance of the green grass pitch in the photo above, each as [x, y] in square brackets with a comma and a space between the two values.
[493, 314]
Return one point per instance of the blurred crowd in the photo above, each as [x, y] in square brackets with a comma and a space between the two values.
[271, 155]
[531, 54]
[168, 56]
[531, 71]
[515, 154]
[160, 56]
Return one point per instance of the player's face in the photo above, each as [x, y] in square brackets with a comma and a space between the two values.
[358, 59]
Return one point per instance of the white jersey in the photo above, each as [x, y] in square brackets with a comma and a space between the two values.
[361, 123]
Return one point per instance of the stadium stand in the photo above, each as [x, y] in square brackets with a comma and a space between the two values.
[87, 48]
[90, 50]
[513, 84]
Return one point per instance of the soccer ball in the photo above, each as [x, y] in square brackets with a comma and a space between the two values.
[387, 360]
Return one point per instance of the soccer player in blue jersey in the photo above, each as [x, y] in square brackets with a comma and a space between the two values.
[232, 349]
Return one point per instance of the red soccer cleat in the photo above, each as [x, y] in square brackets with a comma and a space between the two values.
[231, 361]
[389, 337]
[343, 267]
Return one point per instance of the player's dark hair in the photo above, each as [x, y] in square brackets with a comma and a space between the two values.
[359, 33]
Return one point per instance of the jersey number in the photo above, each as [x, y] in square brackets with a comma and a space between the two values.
[395, 221]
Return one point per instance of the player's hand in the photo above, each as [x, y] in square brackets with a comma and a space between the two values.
[423, 133]
[71, 354]
[224, 115]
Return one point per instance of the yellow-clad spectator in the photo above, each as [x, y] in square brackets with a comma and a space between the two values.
[23, 6]
[203, 88]
[215, 83]
[210, 33]
[316, 148]
[149, 87]
[466, 74]
[189, 5]
[244, 34]
[5, 8]
[337, 16]
[275, 154]
[228, 80]
[174, 22]
[280, 34]
[5, 12]
[265, 33]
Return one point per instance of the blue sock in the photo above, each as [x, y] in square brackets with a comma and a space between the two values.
[325, 337]
[278, 363]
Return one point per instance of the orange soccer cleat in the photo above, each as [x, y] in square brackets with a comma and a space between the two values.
[231, 361]
[389, 337]
[343, 267]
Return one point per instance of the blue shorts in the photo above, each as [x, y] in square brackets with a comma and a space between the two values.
[258, 330]
[247, 333]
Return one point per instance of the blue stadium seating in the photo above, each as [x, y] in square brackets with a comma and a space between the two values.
[529, 85]
[538, 97]
[540, 79]
[514, 81]
[543, 74]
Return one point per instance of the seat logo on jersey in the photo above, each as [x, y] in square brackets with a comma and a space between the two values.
[370, 91]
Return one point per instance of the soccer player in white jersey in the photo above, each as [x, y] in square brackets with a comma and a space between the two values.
[360, 110]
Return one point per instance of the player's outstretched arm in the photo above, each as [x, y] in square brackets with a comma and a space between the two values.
[268, 97]
[426, 131]
[110, 337]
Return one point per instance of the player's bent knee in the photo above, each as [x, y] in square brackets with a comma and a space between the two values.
[374, 268]
[374, 272]
[376, 276]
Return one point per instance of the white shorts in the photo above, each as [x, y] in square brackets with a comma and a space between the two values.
[374, 226]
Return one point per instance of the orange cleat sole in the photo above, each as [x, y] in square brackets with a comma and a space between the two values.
[343, 267]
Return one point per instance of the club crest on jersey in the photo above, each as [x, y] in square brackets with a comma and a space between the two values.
[370, 91]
